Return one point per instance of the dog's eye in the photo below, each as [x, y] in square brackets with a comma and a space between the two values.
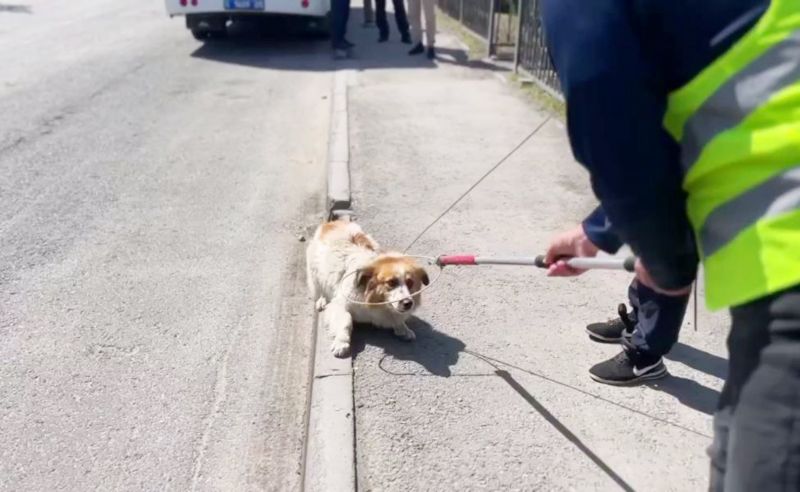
[393, 283]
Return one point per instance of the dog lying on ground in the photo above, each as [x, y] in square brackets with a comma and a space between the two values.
[344, 264]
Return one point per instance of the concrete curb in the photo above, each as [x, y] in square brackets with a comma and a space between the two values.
[339, 147]
[330, 446]
[330, 461]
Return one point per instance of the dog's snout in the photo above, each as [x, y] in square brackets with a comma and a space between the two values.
[406, 304]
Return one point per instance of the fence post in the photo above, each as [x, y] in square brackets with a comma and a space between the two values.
[461, 12]
[518, 43]
[490, 35]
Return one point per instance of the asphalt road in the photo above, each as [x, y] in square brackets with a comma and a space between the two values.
[154, 326]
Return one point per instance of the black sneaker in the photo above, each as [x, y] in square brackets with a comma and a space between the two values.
[416, 50]
[431, 53]
[628, 367]
[383, 37]
[612, 331]
[405, 38]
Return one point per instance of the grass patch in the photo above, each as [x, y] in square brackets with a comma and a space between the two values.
[477, 51]
[540, 97]
[476, 46]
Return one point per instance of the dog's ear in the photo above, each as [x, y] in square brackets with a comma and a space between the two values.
[422, 275]
[364, 276]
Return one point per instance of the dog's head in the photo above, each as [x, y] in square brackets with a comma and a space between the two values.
[394, 279]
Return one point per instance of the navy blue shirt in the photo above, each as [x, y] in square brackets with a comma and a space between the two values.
[600, 232]
[617, 61]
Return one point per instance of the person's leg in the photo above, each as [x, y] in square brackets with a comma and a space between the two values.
[401, 19]
[763, 451]
[368, 14]
[415, 19]
[380, 19]
[338, 21]
[718, 451]
[744, 347]
[658, 323]
[430, 21]
[658, 320]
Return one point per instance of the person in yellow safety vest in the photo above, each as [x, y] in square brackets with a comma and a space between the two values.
[687, 116]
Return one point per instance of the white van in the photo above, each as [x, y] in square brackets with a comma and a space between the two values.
[209, 18]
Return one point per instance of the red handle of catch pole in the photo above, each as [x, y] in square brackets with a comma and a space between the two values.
[456, 260]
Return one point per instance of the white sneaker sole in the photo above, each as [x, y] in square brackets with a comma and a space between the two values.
[649, 376]
[598, 338]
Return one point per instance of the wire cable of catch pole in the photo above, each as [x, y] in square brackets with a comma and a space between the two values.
[475, 185]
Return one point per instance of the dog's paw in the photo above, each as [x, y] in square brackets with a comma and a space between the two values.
[320, 304]
[405, 333]
[340, 349]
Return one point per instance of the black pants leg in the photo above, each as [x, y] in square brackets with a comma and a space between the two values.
[340, 11]
[658, 319]
[380, 17]
[757, 426]
[400, 16]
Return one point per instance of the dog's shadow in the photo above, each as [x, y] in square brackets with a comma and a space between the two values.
[433, 350]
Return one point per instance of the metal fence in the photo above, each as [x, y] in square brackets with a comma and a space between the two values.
[531, 50]
[512, 29]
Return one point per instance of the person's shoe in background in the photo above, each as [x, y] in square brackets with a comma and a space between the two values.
[417, 49]
[431, 53]
[405, 38]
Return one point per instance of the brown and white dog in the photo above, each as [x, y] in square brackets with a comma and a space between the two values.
[344, 264]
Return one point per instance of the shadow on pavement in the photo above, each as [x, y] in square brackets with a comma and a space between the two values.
[690, 393]
[461, 58]
[561, 428]
[433, 350]
[15, 8]
[438, 353]
[699, 360]
[276, 46]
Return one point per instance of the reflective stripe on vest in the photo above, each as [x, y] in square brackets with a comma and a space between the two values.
[738, 123]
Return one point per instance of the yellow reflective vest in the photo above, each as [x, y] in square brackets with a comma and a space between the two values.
[738, 125]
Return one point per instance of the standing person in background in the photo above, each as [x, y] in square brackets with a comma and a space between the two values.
[340, 14]
[399, 16]
[415, 8]
[687, 116]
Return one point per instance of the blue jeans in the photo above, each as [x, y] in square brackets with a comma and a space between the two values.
[658, 319]
[340, 14]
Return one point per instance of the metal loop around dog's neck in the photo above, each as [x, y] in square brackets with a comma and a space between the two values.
[430, 262]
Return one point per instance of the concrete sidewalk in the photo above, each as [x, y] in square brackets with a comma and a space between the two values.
[495, 393]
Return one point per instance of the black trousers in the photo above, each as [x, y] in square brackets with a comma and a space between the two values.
[399, 16]
[757, 425]
[340, 14]
[658, 319]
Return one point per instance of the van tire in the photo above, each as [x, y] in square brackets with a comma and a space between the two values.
[205, 34]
